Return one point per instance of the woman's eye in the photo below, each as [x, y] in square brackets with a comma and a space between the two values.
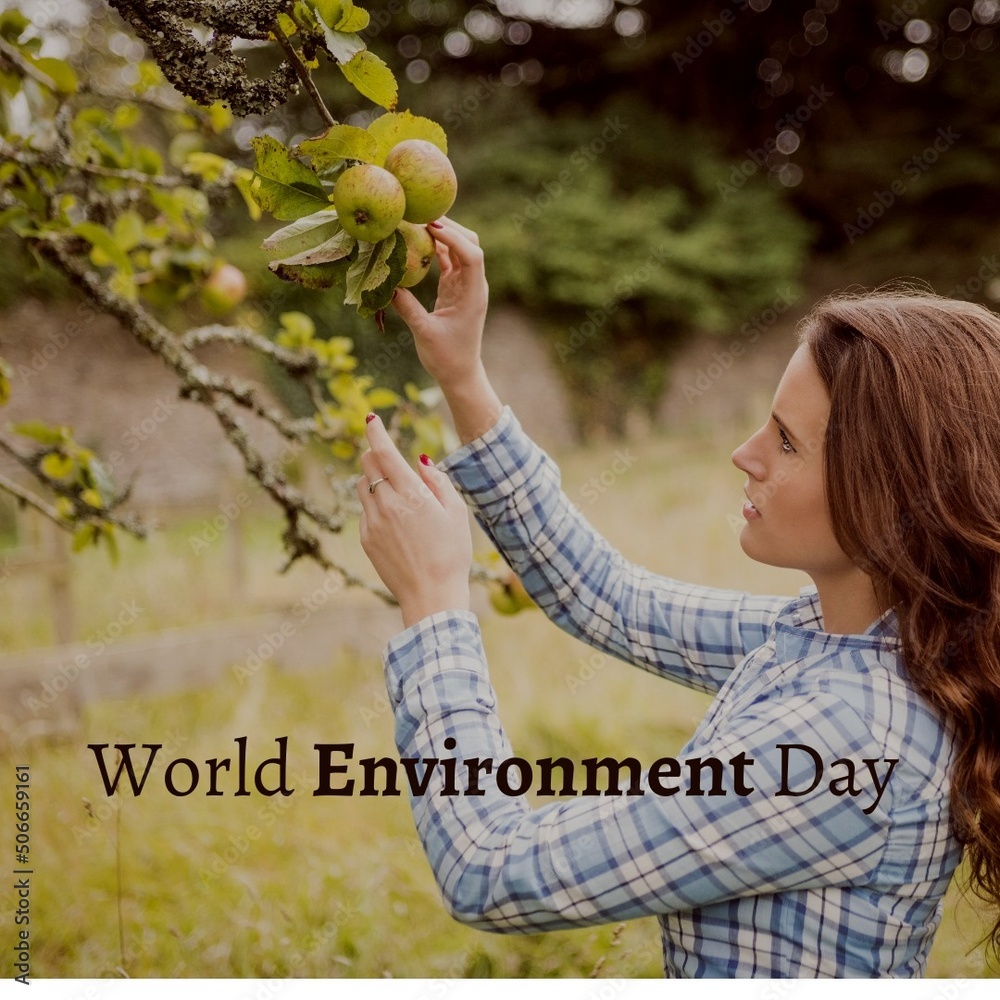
[786, 445]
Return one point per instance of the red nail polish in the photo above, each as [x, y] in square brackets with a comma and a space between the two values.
[425, 460]
[436, 225]
[369, 418]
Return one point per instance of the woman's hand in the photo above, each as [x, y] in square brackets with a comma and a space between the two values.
[415, 530]
[449, 339]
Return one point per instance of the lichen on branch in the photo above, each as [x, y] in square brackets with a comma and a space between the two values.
[212, 71]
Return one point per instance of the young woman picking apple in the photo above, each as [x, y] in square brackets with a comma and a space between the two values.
[878, 474]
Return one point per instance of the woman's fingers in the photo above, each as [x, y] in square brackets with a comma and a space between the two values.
[441, 486]
[384, 459]
[470, 234]
[463, 244]
[409, 307]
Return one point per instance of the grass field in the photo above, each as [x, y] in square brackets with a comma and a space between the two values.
[160, 886]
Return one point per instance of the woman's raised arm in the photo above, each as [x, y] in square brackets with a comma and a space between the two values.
[449, 339]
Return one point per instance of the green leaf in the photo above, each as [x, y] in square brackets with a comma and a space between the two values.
[123, 284]
[297, 328]
[92, 498]
[344, 450]
[382, 399]
[103, 242]
[148, 161]
[12, 25]
[150, 75]
[370, 269]
[340, 142]
[393, 127]
[243, 182]
[313, 276]
[13, 215]
[287, 25]
[64, 79]
[342, 45]
[86, 534]
[111, 540]
[329, 11]
[378, 298]
[126, 116]
[42, 433]
[5, 374]
[56, 465]
[129, 231]
[353, 18]
[283, 185]
[335, 248]
[210, 166]
[303, 233]
[371, 77]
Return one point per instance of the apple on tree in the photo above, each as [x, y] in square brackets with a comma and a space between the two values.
[370, 202]
[388, 181]
[509, 596]
[419, 253]
[426, 176]
[224, 290]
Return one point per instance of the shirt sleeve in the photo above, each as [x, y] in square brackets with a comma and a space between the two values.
[503, 866]
[696, 635]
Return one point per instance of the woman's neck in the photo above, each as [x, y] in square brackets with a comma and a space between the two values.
[848, 602]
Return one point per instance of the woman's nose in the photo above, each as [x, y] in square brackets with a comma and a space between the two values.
[746, 458]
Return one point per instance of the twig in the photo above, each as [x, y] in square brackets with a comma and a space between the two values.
[9, 486]
[303, 74]
[126, 522]
[13, 55]
[201, 384]
[36, 159]
[246, 395]
[294, 362]
[273, 481]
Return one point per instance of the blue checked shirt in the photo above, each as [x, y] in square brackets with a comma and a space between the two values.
[809, 885]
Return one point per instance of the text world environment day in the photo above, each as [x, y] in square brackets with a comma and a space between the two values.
[802, 770]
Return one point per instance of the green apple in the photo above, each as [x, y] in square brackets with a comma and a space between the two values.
[370, 202]
[501, 599]
[427, 177]
[225, 289]
[522, 599]
[419, 253]
[509, 596]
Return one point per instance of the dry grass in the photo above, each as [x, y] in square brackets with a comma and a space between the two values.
[338, 887]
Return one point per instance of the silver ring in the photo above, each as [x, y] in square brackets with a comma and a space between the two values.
[371, 486]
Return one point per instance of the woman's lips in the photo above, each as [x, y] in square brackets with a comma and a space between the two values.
[750, 512]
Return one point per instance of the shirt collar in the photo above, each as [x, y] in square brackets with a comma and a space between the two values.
[799, 631]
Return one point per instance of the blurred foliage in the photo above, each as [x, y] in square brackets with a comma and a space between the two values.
[864, 85]
[736, 114]
[116, 182]
[611, 231]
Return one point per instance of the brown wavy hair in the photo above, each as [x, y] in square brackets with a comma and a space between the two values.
[913, 484]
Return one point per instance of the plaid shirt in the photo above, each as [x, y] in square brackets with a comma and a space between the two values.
[808, 885]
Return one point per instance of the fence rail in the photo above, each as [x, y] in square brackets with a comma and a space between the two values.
[44, 691]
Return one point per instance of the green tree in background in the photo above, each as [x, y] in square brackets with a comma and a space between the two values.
[638, 172]
[125, 189]
[611, 230]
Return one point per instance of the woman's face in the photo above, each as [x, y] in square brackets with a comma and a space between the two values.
[787, 517]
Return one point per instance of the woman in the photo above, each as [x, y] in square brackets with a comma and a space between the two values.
[878, 474]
